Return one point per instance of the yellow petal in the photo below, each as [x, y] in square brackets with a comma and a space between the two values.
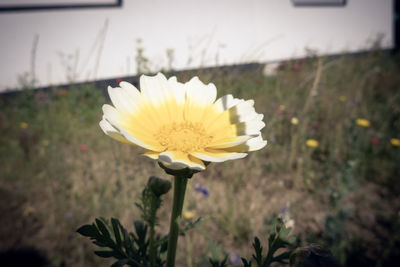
[179, 160]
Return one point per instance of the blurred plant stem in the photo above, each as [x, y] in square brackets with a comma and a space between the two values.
[189, 250]
[152, 246]
[179, 197]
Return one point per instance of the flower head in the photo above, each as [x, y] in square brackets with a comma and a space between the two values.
[182, 125]
[83, 147]
[235, 259]
[395, 141]
[201, 189]
[294, 121]
[342, 98]
[375, 141]
[23, 125]
[188, 214]
[281, 109]
[312, 143]
[363, 122]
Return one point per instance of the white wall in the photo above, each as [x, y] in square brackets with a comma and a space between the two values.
[236, 30]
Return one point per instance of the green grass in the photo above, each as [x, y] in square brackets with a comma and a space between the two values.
[343, 193]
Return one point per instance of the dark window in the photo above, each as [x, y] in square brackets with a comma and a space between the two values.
[36, 5]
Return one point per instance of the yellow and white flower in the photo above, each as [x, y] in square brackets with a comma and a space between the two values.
[182, 125]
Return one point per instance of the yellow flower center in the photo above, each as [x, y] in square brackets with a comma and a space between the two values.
[185, 137]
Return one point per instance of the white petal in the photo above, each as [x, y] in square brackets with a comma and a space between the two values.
[178, 90]
[177, 160]
[154, 88]
[252, 144]
[199, 93]
[214, 155]
[250, 127]
[229, 142]
[111, 114]
[109, 130]
[226, 102]
[114, 118]
[123, 100]
[255, 143]
[133, 139]
[130, 89]
[243, 111]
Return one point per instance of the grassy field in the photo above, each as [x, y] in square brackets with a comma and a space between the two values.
[330, 169]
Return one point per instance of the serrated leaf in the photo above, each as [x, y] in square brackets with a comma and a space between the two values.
[283, 256]
[102, 228]
[100, 244]
[127, 241]
[104, 253]
[141, 231]
[164, 247]
[246, 263]
[258, 249]
[115, 224]
[120, 263]
[88, 230]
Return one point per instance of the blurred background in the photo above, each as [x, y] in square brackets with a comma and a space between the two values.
[97, 39]
[325, 73]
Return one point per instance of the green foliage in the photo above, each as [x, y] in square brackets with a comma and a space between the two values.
[142, 248]
[216, 263]
[128, 248]
[278, 239]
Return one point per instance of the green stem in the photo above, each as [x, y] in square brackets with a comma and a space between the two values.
[179, 197]
[155, 204]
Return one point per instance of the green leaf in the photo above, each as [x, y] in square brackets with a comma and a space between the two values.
[100, 244]
[127, 241]
[258, 249]
[115, 224]
[246, 263]
[102, 228]
[104, 253]
[88, 230]
[216, 263]
[120, 263]
[164, 246]
[283, 256]
[141, 231]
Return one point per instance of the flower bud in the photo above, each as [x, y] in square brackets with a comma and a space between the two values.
[159, 186]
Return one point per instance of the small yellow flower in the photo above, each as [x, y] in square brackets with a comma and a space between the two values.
[342, 98]
[29, 210]
[23, 125]
[294, 121]
[182, 125]
[45, 142]
[188, 214]
[363, 122]
[395, 141]
[312, 143]
[282, 107]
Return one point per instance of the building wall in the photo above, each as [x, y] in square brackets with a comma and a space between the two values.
[89, 44]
